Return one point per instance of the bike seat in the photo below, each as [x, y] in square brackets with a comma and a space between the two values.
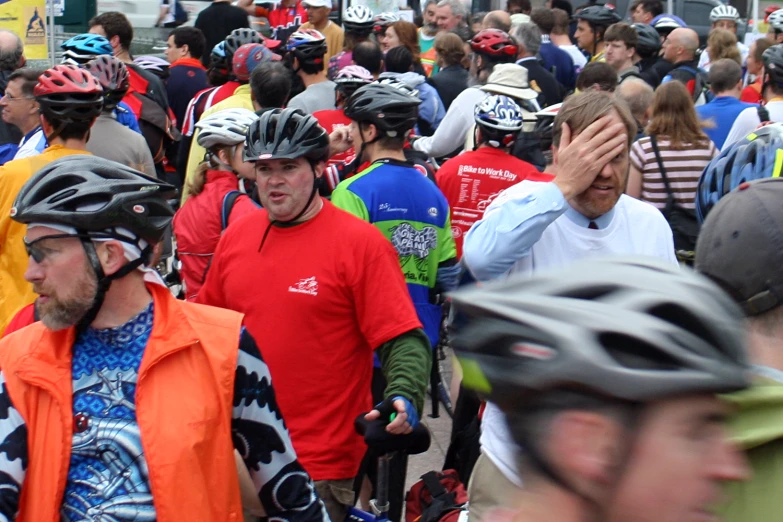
[376, 437]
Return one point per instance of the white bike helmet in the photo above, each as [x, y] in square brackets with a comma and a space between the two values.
[358, 19]
[400, 86]
[152, 63]
[500, 120]
[775, 20]
[724, 12]
[385, 19]
[225, 128]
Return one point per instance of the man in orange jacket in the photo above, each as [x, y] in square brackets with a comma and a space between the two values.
[122, 402]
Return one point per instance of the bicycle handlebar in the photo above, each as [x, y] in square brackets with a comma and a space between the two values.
[376, 436]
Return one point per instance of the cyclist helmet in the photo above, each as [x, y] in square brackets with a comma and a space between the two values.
[598, 16]
[247, 58]
[400, 86]
[68, 94]
[753, 157]
[84, 47]
[384, 20]
[545, 125]
[773, 64]
[239, 37]
[157, 66]
[665, 24]
[351, 78]
[724, 12]
[225, 128]
[631, 329]
[776, 20]
[500, 120]
[217, 58]
[495, 44]
[307, 45]
[113, 76]
[358, 20]
[65, 192]
[286, 134]
[768, 11]
[649, 41]
[392, 109]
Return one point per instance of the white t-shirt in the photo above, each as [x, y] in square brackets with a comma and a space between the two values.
[636, 228]
[748, 120]
[576, 55]
[169, 18]
[454, 127]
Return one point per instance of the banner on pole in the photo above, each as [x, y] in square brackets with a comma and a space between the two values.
[27, 18]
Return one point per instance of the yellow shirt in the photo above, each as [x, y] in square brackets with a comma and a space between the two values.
[15, 292]
[335, 39]
[239, 100]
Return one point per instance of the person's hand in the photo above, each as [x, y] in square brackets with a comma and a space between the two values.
[579, 161]
[340, 140]
[405, 420]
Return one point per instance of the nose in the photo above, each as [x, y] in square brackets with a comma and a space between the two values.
[732, 464]
[34, 273]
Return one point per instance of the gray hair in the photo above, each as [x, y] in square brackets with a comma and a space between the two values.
[457, 8]
[10, 57]
[637, 94]
[528, 36]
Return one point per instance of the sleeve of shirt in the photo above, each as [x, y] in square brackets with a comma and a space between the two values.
[451, 131]
[449, 250]
[13, 455]
[744, 124]
[637, 156]
[195, 157]
[284, 488]
[346, 200]
[211, 292]
[510, 227]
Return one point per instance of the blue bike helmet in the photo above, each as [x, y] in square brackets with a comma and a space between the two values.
[758, 155]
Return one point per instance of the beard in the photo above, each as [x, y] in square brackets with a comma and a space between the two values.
[431, 27]
[63, 311]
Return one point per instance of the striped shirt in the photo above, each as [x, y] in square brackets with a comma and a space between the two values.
[683, 169]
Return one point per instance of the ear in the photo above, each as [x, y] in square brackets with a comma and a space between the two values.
[112, 256]
[587, 445]
[115, 41]
[318, 168]
[185, 49]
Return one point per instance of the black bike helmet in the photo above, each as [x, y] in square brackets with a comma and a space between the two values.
[649, 42]
[93, 195]
[286, 134]
[598, 16]
[753, 157]
[773, 64]
[635, 329]
[390, 109]
[236, 39]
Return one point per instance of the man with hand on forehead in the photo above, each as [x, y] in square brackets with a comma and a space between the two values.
[533, 226]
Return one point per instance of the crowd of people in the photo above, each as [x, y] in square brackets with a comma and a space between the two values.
[178, 233]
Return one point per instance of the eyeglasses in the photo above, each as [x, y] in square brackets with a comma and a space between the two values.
[39, 253]
[10, 98]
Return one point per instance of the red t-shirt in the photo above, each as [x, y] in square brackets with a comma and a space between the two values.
[331, 120]
[24, 317]
[283, 21]
[318, 298]
[473, 179]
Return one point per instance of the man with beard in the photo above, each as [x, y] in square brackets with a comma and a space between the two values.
[427, 33]
[120, 383]
[70, 99]
[534, 226]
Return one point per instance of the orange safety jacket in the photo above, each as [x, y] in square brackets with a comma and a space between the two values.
[184, 397]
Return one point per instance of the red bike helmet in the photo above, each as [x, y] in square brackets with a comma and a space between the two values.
[113, 76]
[69, 94]
[248, 57]
[495, 44]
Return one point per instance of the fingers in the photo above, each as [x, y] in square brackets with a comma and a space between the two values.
[618, 146]
[599, 126]
[607, 144]
[565, 136]
[399, 426]
[374, 414]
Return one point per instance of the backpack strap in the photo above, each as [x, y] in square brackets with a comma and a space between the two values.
[432, 483]
[228, 205]
[657, 152]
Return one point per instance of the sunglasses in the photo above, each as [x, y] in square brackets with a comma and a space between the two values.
[39, 253]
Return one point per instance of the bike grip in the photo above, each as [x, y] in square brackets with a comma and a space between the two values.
[380, 440]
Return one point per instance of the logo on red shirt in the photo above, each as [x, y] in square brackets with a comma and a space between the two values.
[308, 285]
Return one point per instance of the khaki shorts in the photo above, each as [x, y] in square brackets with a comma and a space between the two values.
[337, 496]
[488, 490]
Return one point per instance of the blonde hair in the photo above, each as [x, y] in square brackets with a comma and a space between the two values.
[199, 179]
[723, 44]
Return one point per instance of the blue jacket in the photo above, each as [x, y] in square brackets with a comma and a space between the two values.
[125, 116]
[431, 109]
[723, 110]
[555, 58]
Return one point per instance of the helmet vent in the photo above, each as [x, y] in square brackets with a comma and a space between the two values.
[635, 353]
[682, 318]
[588, 293]
[59, 188]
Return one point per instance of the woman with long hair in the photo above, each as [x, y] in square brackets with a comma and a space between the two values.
[683, 147]
[721, 44]
[753, 92]
[405, 34]
[217, 194]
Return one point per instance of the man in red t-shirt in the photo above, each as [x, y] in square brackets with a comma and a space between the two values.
[347, 80]
[284, 18]
[473, 179]
[322, 290]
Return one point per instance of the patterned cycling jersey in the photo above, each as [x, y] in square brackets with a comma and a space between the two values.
[202, 101]
[413, 214]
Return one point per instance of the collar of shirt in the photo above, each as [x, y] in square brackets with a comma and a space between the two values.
[601, 222]
[29, 135]
[188, 62]
[525, 59]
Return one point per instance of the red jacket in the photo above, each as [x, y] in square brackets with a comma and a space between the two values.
[198, 226]
[191, 354]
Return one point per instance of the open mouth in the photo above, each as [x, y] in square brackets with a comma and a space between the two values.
[277, 197]
[602, 188]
